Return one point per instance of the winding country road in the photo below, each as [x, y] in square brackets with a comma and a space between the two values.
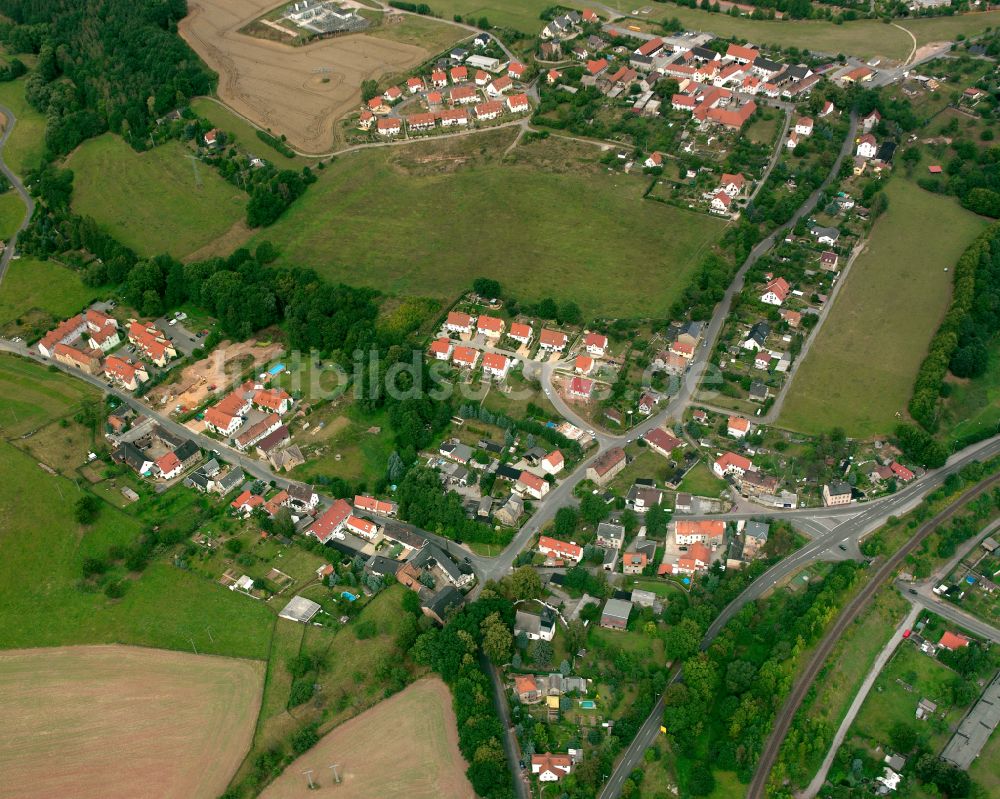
[29, 203]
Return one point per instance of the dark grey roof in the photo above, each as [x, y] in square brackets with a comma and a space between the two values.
[612, 532]
[231, 480]
[300, 492]
[383, 567]
[396, 531]
[618, 608]
[167, 437]
[443, 601]
[198, 479]
[766, 63]
[187, 450]
[757, 530]
[704, 53]
[211, 468]
[838, 487]
[130, 455]
[432, 552]
[509, 472]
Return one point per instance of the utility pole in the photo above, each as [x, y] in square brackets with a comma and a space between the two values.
[209, 631]
[336, 776]
[193, 646]
[309, 776]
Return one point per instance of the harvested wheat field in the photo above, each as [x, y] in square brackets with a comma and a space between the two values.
[281, 87]
[404, 746]
[100, 722]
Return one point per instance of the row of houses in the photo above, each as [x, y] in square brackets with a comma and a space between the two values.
[426, 121]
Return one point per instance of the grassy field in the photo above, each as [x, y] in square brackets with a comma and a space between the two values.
[428, 220]
[406, 745]
[93, 722]
[974, 405]
[432, 35]
[31, 396]
[11, 213]
[890, 703]
[245, 133]
[38, 293]
[24, 148]
[863, 38]
[701, 481]
[885, 316]
[521, 15]
[984, 770]
[155, 202]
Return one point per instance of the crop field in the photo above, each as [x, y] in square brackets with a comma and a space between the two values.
[426, 221]
[860, 370]
[36, 294]
[296, 91]
[100, 721]
[154, 202]
[406, 745]
[24, 148]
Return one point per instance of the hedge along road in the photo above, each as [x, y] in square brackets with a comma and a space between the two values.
[29, 203]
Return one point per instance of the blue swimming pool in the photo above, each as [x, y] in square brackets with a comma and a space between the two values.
[276, 370]
[588, 704]
[348, 596]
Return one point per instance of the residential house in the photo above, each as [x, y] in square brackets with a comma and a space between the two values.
[253, 433]
[415, 85]
[754, 537]
[382, 507]
[836, 493]
[496, 365]
[273, 399]
[596, 344]
[804, 126]
[902, 474]
[953, 641]
[535, 626]
[647, 403]
[453, 116]
[490, 326]
[553, 462]
[441, 349]
[757, 337]
[362, 528]
[731, 464]
[551, 768]
[610, 536]
[867, 146]
[127, 374]
[661, 442]
[871, 120]
[604, 469]
[776, 291]
[697, 559]
[732, 185]
[510, 512]
[84, 361]
[389, 126]
[329, 523]
[824, 235]
[459, 322]
[721, 202]
[465, 357]
[133, 457]
[559, 550]
[581, 387]
[151, 343]
[226, 416]
[500, 86]
[456, 451]
[705, 531]
[633, 562]
[521, 333]
[828, 261]
[738, 427]
[654, 160]
[641, 498]
[553, 340]
[532, 485]
[526, 688]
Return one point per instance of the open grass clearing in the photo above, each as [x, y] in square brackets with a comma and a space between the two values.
[406, 745]
[31, 396]
[984, 771]
[428, 220]
[701, 481]
[159, 201]
[36, 294]
[114, 721]
[434, 36]
[26, 144]
[42, 549]
[521, 15]
[859, 373]
[11, 213]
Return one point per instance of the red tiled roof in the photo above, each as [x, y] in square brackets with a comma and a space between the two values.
[553, 338]
[661, 439]
[324, 527]
[494, 360]
[459, 319]
[953, 641]
[562, 547]
[584, 363]
[581, 386]
[710, 528]
[490, 323]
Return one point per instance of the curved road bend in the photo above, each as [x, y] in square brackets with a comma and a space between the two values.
[783, 720]
[29, 203]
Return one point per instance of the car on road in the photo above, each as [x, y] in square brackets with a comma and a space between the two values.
[913, 591]
[172, 322]
[842, 548]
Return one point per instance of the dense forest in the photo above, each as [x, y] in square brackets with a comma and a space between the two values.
[103, 65]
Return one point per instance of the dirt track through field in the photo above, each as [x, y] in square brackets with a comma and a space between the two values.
[279, 86]
[102, 722]
[406, 745]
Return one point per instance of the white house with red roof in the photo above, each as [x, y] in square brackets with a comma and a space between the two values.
[902, 473]
[151, 343]
[682, 348]
[482, 78]
[738, 427]
[553, 340]
[531, 485]
[389, 126]
[732, 184]
[518, 104]
[169, 466]
[721, 202]
[463, 95]
[551, 768]
[828, 108]
[459, 74]
[465, 357]
[584, 365]
[127, 374]
[871, 120]
[439, 79]
[383, 507]
[454, 116]
[330, 521]
[459, 322]
[516, 70]
[499, 86]
[441, 349]
[553, 77]
[496, 365]
[491, 109]
[741, 54]
[490, 326]
[366, 120]
[273, 399]
[421, 122]
[392, 94]
[102, 330]
[703, 531]
[730, 464]
[697, 559]
[553, 462]
[521, 333]
[804, 126]
[654, 160]
[596, 344]
[598, 67]
[245, 503]
[581, 387]
[867, 146]
[776, 292]
[415, 85]
[376, 103]
[561, 550]
[65, 332]
[361, 527]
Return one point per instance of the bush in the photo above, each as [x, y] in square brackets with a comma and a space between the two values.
[302, 692]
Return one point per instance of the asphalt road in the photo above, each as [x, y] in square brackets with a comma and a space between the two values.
[29, 203]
